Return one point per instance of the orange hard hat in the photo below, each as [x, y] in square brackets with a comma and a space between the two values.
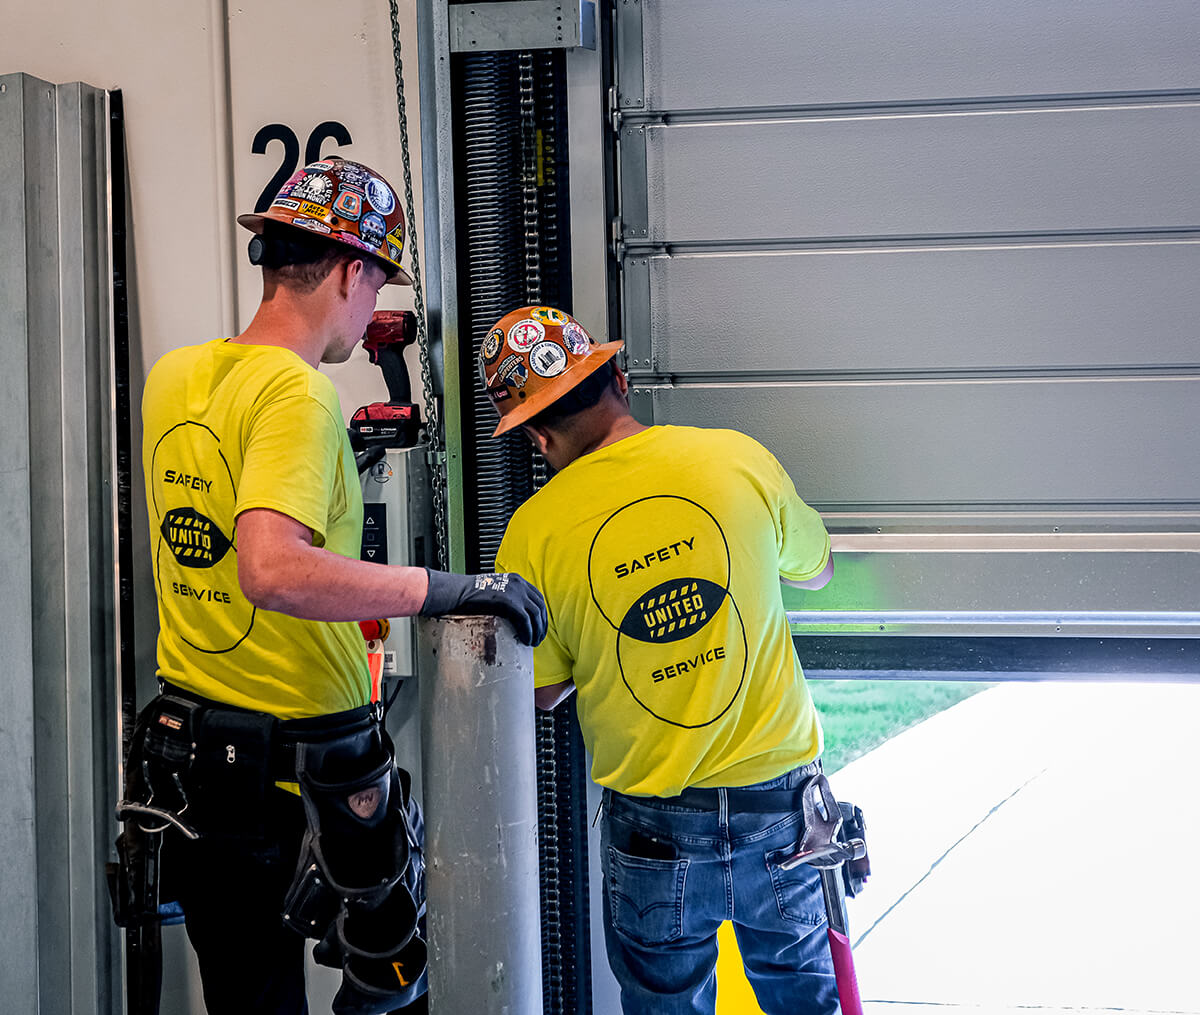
[346, 202]
[532, 357]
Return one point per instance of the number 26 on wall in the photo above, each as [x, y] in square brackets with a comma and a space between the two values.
[329, 130]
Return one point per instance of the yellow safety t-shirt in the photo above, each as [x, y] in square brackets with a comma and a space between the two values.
[660, 558]
[229, 427]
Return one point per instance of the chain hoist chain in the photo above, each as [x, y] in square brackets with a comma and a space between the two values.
[433, 416]
[530, 211]
[529, 182]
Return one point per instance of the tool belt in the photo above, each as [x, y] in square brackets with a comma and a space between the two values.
[204, 769]
[836, 823]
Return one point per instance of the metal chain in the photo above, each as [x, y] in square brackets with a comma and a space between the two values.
[530, 211]
[433, 422]
[529, 182]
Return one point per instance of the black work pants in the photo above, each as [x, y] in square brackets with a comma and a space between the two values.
[232, 897]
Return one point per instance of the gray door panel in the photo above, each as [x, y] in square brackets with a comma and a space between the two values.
[1040, 171]
[709, 54]
[882, 310]
[973, 445]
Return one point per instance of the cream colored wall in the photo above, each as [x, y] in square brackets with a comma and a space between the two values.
[199, 80]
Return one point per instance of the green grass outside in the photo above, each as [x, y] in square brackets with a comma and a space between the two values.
[859, 715]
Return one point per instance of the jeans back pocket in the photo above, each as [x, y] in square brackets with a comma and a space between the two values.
[797, 891]
[646, 896]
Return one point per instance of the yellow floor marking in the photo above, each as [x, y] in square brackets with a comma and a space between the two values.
[734, 994]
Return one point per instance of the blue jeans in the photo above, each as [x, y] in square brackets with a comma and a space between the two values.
[675, 869]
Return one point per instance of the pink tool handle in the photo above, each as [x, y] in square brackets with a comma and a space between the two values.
[843, 971]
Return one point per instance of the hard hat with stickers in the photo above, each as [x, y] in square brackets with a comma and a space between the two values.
[342, 201]
[532, 357]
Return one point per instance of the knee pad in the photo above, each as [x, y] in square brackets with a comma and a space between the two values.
[359, 886]
[355, 804]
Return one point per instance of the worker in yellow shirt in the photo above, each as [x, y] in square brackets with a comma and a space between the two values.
[256, 521]
[660, 551]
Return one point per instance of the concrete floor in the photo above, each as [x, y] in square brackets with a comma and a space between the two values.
[1033, 848]
[1033, 851]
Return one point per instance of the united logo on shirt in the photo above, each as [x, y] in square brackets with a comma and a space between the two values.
[194, 539]
[673, 610]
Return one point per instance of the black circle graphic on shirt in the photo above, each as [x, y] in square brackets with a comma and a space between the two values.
[641, 516]
[659, 573]
[190, 484]
[680, 705]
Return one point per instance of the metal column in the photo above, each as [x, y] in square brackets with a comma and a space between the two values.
[57, 602]
[480, 817]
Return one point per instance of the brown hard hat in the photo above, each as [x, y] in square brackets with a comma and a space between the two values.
[346, 202]
[532, 357]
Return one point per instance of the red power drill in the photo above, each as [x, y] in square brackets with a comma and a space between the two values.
[396, 422]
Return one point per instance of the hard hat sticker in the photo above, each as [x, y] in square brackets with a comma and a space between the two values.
[380, 195]
[348, 205]
[512, 371]
[548, 315]
[576, 339]
[322, 166]
[314, 187]
[491, 345]
[372, 229]
[290, 185]
[312, 225]
[524, 335]
[353, 175]
[318, 211]
[547, 359]
[286, 202]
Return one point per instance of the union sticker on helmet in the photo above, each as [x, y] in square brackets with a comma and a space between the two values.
[286, 202]
[548, 315]
[524, 335]
[548, 359]
[576, 339]
[312, 225]
[352, 175]
[380, 195]
[315, 187]
[348, 205]
[491, 345]
[512, 372]
[372, 229]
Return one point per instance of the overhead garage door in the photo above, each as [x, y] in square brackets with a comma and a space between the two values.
[941, 258]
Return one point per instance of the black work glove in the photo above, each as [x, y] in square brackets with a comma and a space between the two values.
[506, 595]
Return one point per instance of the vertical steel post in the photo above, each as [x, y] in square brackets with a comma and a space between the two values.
[479, 783]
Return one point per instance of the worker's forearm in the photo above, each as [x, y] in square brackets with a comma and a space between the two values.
[314, 584]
